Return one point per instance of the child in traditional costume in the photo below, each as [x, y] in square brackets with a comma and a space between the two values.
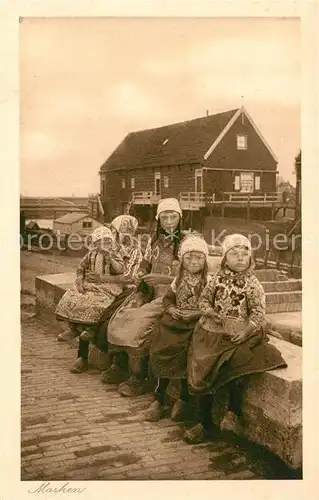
[83, 305]
[172, 335]
[229, 341]
[131, 327]
[123, 227]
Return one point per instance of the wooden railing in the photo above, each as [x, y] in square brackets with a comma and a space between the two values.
[145, 198]
[235, 197]
[192, 201]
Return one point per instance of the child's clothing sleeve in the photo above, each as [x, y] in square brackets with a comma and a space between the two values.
[133, 265]
[169, 298]
[206, 300]
[145, 266]
[256, 301]
[83, 266]
[118, 268]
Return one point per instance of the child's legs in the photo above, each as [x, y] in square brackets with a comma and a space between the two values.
[83, 351]
[205, 403]
[138, 364]
[161, 386]
[184, 394]
[235, 398]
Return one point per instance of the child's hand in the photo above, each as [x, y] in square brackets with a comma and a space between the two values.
[93, 277]
[175, 313]
[239, 337]
[189, 315]
[80, 285]
[151, 279]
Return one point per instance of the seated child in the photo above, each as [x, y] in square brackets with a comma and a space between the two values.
[84, 304]
[172, 334]
[229, 341]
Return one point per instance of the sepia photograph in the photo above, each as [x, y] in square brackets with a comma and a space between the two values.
[160, 249]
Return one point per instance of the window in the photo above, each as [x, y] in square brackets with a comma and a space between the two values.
[166, 181]
[241, 141]
[257, 182]
[123, 183]
[237, 182]
[87, 225]
[133, 183]
[103, 190]
[246, 182]
[157, 183]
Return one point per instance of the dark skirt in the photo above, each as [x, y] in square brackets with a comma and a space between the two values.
[169, 348]
[100, 339]
[214, 361]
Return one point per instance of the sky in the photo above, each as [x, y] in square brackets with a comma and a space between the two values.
[87, 82]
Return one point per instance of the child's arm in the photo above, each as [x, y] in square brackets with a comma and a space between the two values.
[81, 272]
[169, 302]
[117, 262]
[256, 301]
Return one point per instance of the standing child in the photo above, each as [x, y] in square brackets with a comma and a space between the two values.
[131, 328]
[168, 353]
[229, 341]
[83, 305]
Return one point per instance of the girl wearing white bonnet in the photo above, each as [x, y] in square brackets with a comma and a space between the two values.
[83, 305]
[121, 226]
[172, 333]
[229, 341]
[131, 327]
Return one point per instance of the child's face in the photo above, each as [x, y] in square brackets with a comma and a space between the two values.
[169, 220]
[104, 245]
[238, 259]
[194, 262]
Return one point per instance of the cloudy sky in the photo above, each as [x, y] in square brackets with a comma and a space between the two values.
[86, 83]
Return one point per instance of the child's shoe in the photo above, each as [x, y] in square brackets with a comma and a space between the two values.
[231, 422]
[132, 387]
[195, 435]
[81, 365]
[155, 412]
[87, 335]
[179, 411]
[114, 375]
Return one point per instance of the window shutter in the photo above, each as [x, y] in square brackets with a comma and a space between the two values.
[257, 182]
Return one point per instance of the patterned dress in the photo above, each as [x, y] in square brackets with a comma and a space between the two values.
[213, 360]
[132, 324]
[87, 308]
[169, 348]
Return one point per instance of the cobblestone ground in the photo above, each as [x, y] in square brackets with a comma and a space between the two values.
[76, 428]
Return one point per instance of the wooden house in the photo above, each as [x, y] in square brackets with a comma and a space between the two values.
[76, 223]
[219, 163]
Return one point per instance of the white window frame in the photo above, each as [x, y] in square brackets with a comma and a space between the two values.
[132, 182]
[123, 183]
[166, 181]
[241, 141]
[199, 175]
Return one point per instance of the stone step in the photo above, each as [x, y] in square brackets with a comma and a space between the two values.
[283, 307]
[282, 286]
[283, 297]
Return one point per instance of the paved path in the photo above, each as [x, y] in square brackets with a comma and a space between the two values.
[76, 428]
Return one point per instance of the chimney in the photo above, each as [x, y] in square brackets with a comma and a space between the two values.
[207, 112]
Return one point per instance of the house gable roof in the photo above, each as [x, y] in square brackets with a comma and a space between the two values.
[71, 217]
[231, 122]
[176, 144]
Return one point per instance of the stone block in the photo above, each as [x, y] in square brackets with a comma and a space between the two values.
[272, 407]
